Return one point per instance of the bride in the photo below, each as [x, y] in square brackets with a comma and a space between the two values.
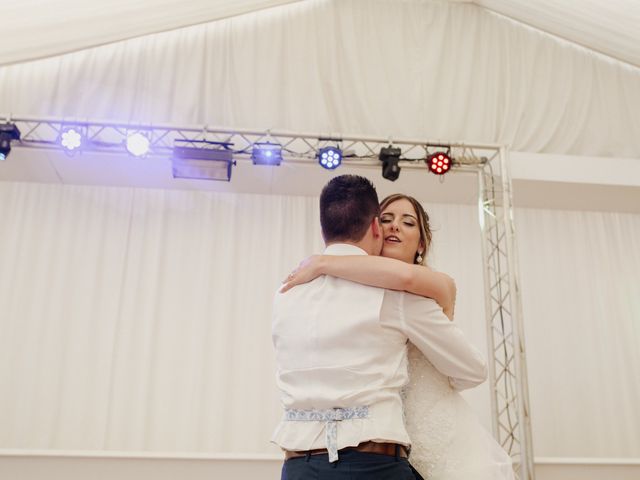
[448, 441]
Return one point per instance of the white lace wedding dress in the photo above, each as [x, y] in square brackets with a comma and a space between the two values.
[448, 441]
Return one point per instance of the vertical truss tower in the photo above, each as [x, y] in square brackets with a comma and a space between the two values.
[503, 304]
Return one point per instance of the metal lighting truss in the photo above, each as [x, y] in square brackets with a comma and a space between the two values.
[511, 414]
[505, 336]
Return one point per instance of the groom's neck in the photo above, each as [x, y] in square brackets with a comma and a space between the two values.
[364, 245]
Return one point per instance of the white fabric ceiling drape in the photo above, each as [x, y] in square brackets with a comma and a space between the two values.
[44, 28]
[41, 28]
[606, 26]
[139, 320]
[441, 71]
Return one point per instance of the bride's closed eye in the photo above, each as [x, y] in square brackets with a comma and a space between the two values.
[389, 219]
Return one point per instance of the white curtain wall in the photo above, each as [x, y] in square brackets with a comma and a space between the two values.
[139, 320]
[400, 68]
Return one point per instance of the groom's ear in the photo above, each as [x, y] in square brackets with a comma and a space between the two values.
[376, 229]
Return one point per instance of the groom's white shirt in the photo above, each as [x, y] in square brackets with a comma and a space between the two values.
[343, 344]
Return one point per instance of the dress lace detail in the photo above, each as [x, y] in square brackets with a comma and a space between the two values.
[448, 441]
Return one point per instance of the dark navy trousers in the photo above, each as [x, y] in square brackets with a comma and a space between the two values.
[352, 465]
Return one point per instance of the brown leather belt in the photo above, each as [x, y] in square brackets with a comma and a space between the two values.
[368, 447]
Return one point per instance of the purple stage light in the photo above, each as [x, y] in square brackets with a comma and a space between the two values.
[266, 154]
[330, 157]
[71, 139]
[137, 144]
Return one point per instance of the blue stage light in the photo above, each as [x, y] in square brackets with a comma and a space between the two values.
[8, 132]
[330, 157]
[137, 144]
[71, 139]
[266, 154]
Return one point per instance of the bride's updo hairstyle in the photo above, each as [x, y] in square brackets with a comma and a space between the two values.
[423, 222]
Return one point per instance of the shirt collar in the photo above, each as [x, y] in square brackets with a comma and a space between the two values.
[344, 249]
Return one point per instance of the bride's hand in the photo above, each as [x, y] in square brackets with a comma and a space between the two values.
[309, 269]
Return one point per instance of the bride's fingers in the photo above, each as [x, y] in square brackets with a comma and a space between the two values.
[289, 277]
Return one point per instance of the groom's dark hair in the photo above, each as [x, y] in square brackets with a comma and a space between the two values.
[348, 204]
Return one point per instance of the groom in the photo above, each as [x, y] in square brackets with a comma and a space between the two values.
[341, 355]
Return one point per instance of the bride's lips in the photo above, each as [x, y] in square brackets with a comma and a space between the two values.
[392, 239]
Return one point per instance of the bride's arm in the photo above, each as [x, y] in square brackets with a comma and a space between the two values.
[380, 272]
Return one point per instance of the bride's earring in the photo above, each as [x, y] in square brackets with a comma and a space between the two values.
[419, 259]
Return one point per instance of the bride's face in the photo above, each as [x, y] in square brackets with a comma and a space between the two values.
[401, 231]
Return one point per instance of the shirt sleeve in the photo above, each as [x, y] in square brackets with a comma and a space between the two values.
[442, 342]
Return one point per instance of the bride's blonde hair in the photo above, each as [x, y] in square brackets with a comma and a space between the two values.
[423, 222]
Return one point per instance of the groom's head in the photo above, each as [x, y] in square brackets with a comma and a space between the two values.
[349, 212]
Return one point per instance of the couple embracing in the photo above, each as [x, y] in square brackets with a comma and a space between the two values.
[369, 359]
